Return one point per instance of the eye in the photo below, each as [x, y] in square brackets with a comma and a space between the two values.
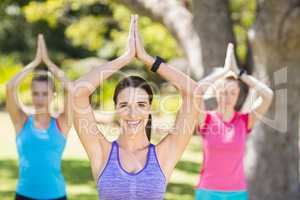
[122, 105]
[142, 104]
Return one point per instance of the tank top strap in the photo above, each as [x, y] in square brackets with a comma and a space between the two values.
[153, 163]
[113, 155]
[53, 124]
[152, 155]
[27, 123]
[152, 150]
[29, 119]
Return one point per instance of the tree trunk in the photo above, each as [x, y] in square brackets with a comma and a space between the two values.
[214, 26]
[273, 161]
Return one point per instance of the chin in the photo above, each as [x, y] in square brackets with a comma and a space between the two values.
[41, 110]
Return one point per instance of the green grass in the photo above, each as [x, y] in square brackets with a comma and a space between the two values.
[77, 173]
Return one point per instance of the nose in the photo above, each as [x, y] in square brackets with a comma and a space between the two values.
[133, 111]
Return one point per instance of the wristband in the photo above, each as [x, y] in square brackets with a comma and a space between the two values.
[242, 71]
[156, 64]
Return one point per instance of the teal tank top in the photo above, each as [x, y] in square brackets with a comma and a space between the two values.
[40, 153]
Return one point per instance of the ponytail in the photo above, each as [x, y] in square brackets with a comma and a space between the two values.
[149, 127]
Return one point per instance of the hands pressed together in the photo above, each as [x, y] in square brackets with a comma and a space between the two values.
[135, 47]
[42, 52]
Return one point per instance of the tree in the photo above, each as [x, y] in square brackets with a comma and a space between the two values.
[276, 43]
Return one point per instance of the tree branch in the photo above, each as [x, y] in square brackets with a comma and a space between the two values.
[179, 21]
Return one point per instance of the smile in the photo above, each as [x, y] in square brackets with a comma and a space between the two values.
[133, 122]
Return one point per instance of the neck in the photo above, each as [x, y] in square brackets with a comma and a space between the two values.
[45, 116]
[226, 112]
[133, 143]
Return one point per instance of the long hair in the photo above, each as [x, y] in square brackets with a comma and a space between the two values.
[244, 89]
[136, 82]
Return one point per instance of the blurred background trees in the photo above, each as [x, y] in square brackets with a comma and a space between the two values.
[192, 34]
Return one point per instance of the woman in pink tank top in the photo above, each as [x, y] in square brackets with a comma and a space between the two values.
[224, 132]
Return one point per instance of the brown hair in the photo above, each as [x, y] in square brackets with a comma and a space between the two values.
[136, 82]
[244, 89]
[42, 75]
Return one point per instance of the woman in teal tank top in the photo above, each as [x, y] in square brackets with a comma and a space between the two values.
[40, 138]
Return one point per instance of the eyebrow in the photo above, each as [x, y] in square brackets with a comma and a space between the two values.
[125, 102]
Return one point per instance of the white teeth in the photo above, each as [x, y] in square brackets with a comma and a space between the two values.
[133, 122]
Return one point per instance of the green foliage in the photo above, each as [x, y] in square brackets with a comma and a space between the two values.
[107, 29]
[75, 29]
[80, 32]
[8, 68]
[243, 13]
[157, 40]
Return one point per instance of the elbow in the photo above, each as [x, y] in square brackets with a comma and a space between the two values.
[200, 89]
[270, 95]
[195, 89]
[81, 89]
[195, 94]
[10, 87]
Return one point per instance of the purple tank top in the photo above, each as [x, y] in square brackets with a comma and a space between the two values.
[115, 183]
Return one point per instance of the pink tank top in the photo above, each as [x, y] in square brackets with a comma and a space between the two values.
[224, 149]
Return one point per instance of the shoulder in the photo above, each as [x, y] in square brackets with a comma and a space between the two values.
[209, 115]
[244, 117]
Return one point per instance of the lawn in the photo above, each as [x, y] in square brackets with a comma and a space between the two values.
[76, 169]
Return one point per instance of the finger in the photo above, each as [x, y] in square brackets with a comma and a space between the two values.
[43, 45]
[136, 23]
[228, 55]
[134, 32]
[233, 62]
[131, 24]
[134, 26]
[39, 43]
[137, 34]
[130, 39]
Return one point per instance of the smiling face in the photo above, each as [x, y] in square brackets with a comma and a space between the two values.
[133, 109]
[42, 94]
[228, 93]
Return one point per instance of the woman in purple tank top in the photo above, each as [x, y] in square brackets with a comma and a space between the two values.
[131, 167]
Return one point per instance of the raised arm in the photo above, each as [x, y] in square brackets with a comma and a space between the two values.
[262, 105]
[13, 106]
[95, 144]
[65, 118]
[266, 94]
[173, 145]
[210, 80]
